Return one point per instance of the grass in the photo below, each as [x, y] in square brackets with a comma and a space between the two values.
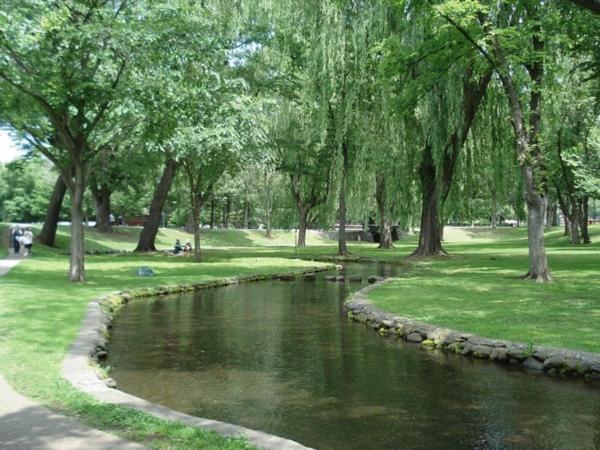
[478, 290]
[40, 314]
[126, 238]
[475, 290]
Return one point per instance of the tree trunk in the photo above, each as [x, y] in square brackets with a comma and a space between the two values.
[196, 226]
[551, 215]
[302, 225]
[567, 227]
[101, 197]
[212, 214]
[574, 224]
[584, 218]
[342, 246]
[77, 257]
[385, 241]
[147, 239]
[430, 241]
[190, 223]
[494, 207]
[246, 214]
[48, 234]
[538, 263]
[385, 231]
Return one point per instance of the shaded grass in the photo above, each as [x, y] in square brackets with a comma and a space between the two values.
[478, 290]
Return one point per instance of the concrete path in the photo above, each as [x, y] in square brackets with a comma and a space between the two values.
[25, 425]
[7, 264]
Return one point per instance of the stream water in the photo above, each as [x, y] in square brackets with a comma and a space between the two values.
[279, 357]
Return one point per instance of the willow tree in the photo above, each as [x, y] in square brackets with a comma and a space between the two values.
[513, 38]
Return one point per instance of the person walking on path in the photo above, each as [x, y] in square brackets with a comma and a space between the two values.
[15, 236]
[27, 241]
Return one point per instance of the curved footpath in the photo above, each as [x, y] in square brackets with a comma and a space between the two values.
[550, 360]
[25, 425]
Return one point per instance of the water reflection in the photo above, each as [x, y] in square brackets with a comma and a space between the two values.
[279, 357]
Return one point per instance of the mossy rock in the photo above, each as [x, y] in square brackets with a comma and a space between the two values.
[428, 344]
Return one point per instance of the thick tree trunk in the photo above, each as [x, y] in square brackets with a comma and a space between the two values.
[342, 246]
[538, 263]
[302, 225]
[190, 223]
[77, 257]
[48, 234]
[385, 241]
[147, 239]
[583, 219]
[430, 241]
[101, 197]
[567, 226]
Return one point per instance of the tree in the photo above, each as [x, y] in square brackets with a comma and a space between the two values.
[69, 61]
[499, 35]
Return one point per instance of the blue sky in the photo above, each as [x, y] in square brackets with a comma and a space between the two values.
[8, 149]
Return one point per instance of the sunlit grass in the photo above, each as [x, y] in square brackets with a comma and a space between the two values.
[478, 290]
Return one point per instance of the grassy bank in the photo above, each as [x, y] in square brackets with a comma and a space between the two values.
[478, 290]
[40, 314]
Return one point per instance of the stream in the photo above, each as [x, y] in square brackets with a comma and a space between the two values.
[280, 357]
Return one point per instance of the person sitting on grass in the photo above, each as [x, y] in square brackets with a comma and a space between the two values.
[187, 249]
[177, 247]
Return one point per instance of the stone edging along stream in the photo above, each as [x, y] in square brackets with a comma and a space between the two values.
[550, 360]
[90, 346]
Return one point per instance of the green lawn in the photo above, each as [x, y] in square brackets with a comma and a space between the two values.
[478, 290]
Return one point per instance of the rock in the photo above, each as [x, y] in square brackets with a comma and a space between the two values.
[144, 271]
[455, 347]
[287, 277]
[499, 354]
[467, 349]
[533, 364]
[482, 351]
[555, 362]
[414, 338]
[101, 354]
[375, 279]
[386, 332]
[309, 277]
[331, 278]
[109, 382]
[388, 323]
[517, 352]
[340, 278]
[355, 279]
[428, 344]
[400, 330]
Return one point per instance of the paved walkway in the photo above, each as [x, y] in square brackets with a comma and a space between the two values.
[25, 425]
[9, 262]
